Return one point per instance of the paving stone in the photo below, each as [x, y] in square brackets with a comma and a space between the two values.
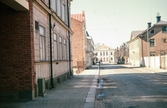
[69, 94]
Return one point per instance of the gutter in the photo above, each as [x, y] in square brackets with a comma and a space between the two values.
[69, 42]
[50, 32]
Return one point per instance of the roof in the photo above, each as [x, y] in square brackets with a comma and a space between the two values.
[134, 34]
[161, 23]
[157, 24]
[79, 17]
[103, 47]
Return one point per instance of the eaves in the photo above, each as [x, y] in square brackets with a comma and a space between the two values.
[137, 37]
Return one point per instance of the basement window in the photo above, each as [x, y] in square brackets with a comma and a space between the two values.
[152, 53]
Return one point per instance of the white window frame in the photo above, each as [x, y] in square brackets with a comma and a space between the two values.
[55, 47]
[63, 11]
[65, 50]
[42, 43]
[54, 5]
[60, 48]
[59, 8]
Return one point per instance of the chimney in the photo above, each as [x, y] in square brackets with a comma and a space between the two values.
[158, 18]
[149, 24]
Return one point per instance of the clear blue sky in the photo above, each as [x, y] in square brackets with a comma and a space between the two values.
[111, 21]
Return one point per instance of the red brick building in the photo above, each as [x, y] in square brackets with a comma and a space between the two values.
[157, 36]
[34, 44]
[80, 42]
[147, 47]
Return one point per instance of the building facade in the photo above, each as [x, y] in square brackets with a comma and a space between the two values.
[135, 48]
[150, 45]
[82, 43]
[89, 51]
[124, 54]
[36, 47]
[104, 54]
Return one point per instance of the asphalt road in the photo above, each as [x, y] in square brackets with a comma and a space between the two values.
[125, 87]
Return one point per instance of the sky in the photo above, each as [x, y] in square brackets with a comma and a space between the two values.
[112, 21]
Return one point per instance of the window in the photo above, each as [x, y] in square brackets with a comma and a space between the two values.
[63, 11]
[152, 32]
[42, 43]
[152, 43]
[59, 8]
[65, 50]
[55, 46]
[111, 53]
[103, 53]
[165, 41]
[111, 58]
[107, 59]
[164, 29]
[53, 5]
[152, 53]
[60, 48]
[106, 53]
[100, 53]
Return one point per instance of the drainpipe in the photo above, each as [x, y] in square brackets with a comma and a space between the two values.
[69, 42]
[50, 32]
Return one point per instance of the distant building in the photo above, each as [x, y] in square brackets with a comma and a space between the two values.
[121, 54]
[104, 54]
[135, 48]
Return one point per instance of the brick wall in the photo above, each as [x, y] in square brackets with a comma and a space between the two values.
[159, 44]
[16, 53]
[77, 41]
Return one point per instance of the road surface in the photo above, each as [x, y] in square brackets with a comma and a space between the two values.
[125, 87]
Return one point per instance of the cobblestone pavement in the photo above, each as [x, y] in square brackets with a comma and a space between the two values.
[69, 94]
[132, 88]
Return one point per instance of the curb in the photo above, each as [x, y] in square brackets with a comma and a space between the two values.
[90, 99]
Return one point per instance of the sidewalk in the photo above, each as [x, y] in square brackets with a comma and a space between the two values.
[78, 92]
[147, 69]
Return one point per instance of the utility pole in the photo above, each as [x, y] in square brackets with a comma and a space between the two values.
[148, 47]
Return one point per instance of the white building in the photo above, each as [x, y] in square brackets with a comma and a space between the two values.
[104, 53]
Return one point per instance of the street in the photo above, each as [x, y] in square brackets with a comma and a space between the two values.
[123, 87]
[128, 87]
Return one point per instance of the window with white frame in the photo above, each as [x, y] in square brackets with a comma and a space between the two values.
[152, 53]
[53, 5]
[152, 42]
[60, 48]
[65, 50]
[103, 53]
[67, 47]
[42, 43]
[63, 12]
[59, 8]
[55, 46]
[111, 53]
